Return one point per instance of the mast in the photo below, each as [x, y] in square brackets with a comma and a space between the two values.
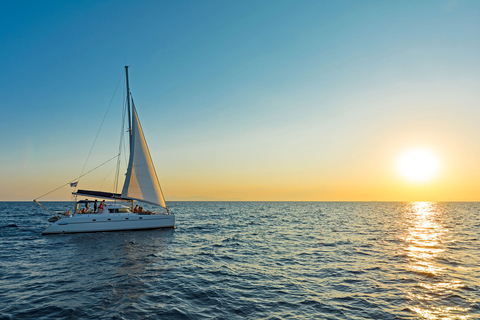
[129, 109]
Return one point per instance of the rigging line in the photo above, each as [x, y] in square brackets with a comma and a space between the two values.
[125, 145]
[101, 125]
[98, 183]
[124, 149]
[63, 185]
[105, 178]
[115, 187]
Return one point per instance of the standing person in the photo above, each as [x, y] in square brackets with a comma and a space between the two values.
[86, 206]
[95, 206]
[102, 206]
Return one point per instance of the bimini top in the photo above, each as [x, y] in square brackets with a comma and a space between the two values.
[85, 201]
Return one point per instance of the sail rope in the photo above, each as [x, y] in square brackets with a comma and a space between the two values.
[101, 125]
[105, 178]
[115, 186]
[76, 179]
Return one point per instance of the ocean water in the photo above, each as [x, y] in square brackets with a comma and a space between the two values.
[249, 260]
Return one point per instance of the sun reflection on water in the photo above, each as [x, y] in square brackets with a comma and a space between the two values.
[425, 237]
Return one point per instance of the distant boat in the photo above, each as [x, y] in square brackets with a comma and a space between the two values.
[141, 184]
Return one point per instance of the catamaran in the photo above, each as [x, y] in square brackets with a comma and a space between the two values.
[118, 214]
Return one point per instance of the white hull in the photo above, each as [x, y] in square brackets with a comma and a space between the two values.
[110, 222]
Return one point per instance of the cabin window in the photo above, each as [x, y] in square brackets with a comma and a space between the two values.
[119, 210]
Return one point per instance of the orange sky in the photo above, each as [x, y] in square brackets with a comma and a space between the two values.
[262, 101]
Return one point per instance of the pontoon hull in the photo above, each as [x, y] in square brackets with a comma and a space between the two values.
[100, 222]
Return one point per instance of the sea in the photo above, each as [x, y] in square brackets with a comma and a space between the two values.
[249, 260]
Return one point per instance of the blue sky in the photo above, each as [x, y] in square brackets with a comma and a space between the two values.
[274, 100]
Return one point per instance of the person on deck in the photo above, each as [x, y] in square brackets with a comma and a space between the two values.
[86, 206]
[95, 206]
[136, 208]
[102, 206]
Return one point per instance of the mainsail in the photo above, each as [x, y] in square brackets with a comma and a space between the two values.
[141, 182]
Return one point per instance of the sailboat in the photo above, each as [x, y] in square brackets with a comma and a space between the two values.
[118, 214]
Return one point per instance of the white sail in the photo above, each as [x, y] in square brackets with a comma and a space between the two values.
[141, 182]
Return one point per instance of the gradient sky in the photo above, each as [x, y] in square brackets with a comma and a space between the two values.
[244, 100]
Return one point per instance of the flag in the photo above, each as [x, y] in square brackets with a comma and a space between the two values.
[74, 184]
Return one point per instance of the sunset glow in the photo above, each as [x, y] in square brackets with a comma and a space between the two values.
[418, 165]
[245, 101]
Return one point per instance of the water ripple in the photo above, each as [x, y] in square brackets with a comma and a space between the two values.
[249, 260]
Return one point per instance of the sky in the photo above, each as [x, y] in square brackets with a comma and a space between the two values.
[243, 100]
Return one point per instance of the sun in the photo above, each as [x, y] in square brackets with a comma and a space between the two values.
[418, 165]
